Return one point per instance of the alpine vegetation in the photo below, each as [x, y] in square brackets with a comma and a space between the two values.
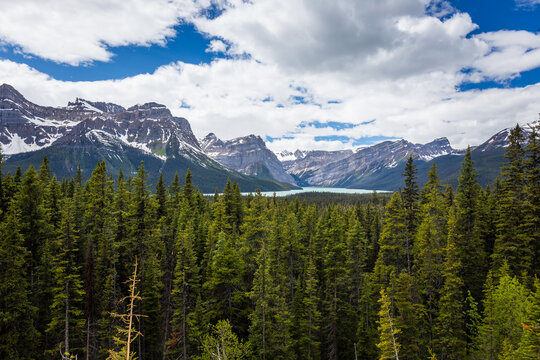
[111, 268]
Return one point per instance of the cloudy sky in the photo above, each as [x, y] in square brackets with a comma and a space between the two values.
[308, 74]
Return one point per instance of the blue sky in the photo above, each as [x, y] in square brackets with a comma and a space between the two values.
[317, 78]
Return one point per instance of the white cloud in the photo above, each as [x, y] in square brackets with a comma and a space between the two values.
[387, 60]
[226, 97]
[80, 32]
[511, 52]
[527, 3]
[217, 46]
[356, 40]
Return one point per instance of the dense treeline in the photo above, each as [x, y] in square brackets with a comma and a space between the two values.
[429, 273]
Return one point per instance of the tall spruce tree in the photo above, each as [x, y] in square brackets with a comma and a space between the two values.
[468, 241]
[505, 310]
[18, 336]
[388, 344]
[67, 322]
[429, 244]
[392, 256]
[270, 320]
[97, 261]
[407, 316]
[513, 244]
[531, 220]
[185, 294]
[410, 196]
[450, 339]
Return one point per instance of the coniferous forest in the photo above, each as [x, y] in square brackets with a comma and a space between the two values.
[114, 269]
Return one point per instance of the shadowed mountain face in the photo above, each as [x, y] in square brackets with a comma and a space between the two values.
[380, 166]
[248, 155]
[84, 132]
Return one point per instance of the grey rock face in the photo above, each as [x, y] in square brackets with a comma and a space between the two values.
[96, 106]
[25, 126]
[248, 155]
[333, 168]
[309, 161]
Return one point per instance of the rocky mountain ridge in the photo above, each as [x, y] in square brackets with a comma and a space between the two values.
[380, 166]
[248, 155]
[85, 132]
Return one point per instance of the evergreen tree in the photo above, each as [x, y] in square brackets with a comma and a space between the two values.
[151, 309]
[270, 320]
[531, 220]
[188, 190]
[505, 309]
[388, 331]
[410, 196]
[37, 234]
[161, 198]
[309, 322]
[224, 295]
[529, 346]
[67, 323]
[449, 331]
[222, 343]
[185, 294]
[44, 172]
[392, 256]
[472, 324]
[429, 245]
[468, 226]
[98, 261]
[407, 318]
[17, 332]
[338, 309]
[513, 244]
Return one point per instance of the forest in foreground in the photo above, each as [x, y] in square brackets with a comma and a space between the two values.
[426, 273]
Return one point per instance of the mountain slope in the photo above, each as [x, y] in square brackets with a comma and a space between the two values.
[346, 168]
[380, 166]
[248, 155]
[85, 132]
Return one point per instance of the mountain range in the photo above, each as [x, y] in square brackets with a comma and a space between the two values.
[84, 132]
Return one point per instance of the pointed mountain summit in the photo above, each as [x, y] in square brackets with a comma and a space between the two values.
[86, 132]
[8, 92]
[248, 155]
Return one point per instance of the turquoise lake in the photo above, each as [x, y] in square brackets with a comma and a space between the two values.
[318, 189]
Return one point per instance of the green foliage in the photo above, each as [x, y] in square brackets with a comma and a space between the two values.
[513, 242]
[429, 249]
[505, 309]
[450, 323]
[295, 278]
[393, 245]
[388, 331]
[468, 225]
[67, 307]
[17, 333]
[222, 343]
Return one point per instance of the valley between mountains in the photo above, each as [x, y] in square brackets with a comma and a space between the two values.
[84, 132]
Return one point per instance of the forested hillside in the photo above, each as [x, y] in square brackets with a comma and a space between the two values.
[432, 273]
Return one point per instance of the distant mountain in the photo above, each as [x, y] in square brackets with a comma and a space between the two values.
[306, 163]
[84, 132]
[345, 168]
[248, 155]
[381, 166]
